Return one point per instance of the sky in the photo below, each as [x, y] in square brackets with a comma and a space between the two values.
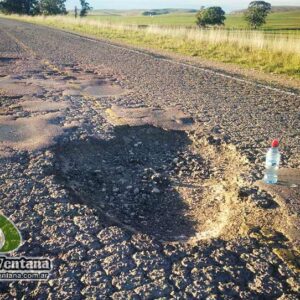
[227, 5]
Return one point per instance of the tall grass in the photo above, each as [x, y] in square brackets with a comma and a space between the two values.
[278, 53]
[254, 40]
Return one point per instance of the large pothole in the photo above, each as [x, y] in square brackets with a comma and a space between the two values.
[132, 177]
[150, 180]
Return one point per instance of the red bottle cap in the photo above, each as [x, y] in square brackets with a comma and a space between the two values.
[275, 143]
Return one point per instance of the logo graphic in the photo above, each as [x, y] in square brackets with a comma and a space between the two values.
[19, 268]
[10, 237]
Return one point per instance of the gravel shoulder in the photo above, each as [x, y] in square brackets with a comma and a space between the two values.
[140, 212]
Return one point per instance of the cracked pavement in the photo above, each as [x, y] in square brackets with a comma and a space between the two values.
[140, 212]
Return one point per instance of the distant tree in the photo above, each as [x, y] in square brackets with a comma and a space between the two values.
[149, 13]
[257, 13]
[156, 12]
[85, 8]
[52, 7]
[210, 16]
[265, 6]
[28, 7]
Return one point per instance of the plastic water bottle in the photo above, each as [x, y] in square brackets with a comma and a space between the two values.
[272, 164]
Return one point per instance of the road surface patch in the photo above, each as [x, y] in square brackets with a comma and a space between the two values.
[96, 88]
[40, 106]
[18, 87]
[30, 133]
[170, 118]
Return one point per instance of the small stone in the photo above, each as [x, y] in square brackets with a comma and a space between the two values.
[156, 190]
[138, 144]
[120, 169]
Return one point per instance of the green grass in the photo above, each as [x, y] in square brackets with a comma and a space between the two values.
[271, 53]
[289, 20]
[166, 20]
[284, 20]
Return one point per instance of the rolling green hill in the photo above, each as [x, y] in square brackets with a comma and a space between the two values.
[139, 12]
[282, 19]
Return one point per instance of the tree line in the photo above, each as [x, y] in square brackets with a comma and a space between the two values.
[39, 7]
[255, 15]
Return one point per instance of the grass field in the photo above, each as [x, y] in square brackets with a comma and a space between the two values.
[182, 19]
[262, 50]
[288, 20]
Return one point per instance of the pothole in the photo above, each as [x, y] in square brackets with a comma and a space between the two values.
[48, 83]
[68, 83]
[129, 177]
[171, 118]
[94, 88]
[150, 180]
[42, 106]
[28, 133]
[103, 90]
[7, 60]
[15, 87]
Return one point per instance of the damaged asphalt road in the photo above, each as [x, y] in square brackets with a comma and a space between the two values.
[140, 212]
